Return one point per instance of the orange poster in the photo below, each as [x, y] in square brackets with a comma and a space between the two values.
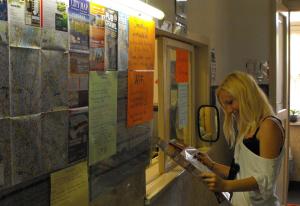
[182, 66]
[140, 97]
[141, 44]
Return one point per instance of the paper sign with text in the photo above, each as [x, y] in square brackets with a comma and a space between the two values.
[70, 186]
[182, 66]
[140, 97]
[141, 44]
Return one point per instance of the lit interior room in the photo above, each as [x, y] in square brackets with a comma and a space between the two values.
[149, 102]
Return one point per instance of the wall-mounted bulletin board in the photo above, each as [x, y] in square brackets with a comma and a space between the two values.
[76, 99]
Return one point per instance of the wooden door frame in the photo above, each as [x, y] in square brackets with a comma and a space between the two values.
[279, 9]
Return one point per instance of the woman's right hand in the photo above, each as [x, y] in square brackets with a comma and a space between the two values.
[205, 159]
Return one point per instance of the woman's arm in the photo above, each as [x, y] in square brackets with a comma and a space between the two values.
[217, 184]
[219, 169]
[271, 139]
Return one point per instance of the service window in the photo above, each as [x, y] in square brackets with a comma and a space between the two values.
[173, 99]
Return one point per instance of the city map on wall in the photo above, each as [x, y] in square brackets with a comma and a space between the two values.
[48, 51]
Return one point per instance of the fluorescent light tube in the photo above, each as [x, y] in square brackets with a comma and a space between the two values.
[132, 7]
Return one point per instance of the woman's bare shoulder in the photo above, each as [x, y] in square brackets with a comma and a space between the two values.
[271, 138]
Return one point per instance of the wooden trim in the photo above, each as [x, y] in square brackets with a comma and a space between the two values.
[195, 41]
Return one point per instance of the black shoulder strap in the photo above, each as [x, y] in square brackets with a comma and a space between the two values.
[278, 121]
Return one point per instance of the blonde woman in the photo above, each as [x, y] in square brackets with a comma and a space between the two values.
[258, 138]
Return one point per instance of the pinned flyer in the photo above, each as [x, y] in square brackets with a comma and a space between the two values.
[182, 66]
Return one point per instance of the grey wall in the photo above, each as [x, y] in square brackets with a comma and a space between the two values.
[238, 30]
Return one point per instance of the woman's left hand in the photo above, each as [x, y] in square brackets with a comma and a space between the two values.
[214, 182]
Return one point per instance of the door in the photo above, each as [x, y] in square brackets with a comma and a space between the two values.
[280, 93]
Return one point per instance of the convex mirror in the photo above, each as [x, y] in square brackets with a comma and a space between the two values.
[208, 123]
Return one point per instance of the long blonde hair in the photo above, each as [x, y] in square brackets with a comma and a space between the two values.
[253, 106]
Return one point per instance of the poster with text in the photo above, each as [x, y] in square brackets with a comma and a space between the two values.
[70, 187]
[78, 134]
[24, 23]
[140, 97]
[182, 105]
[78, 79]
[122, 42]
[111, 38]
[97, 29]
[55, 25]
[32, 12]
[102, 115]
[79, 24]
[135, 139]
[141, 44]
[182, 66]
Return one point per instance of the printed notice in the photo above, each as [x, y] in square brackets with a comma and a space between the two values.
[78, 134]
[182, 65]
[141, 44]
[97, 23]
[140, 97]
[69, 187]
[182, 105]
[55, 25]
[55, 15]
[32, 12]
[122, 42]
[79, 24]
[111, 38]
[24, 23]
[102, 115]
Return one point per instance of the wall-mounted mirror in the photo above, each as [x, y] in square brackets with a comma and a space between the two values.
[208, 123]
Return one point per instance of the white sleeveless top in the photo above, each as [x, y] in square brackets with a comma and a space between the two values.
[265, 171]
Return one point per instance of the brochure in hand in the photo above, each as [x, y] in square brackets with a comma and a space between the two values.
[184, 156]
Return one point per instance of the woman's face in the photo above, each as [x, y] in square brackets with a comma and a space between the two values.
[229, 103]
